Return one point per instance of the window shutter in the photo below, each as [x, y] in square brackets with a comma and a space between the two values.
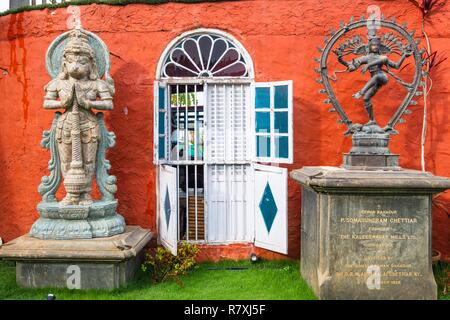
[160, 132]
[216, 123]
[228, 119]
[270, 203]
[272, 122]
[238, 122]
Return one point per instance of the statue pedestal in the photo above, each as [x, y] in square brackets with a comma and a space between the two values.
[367, 234]
[370, 151]
[100, 263]
[66, 222]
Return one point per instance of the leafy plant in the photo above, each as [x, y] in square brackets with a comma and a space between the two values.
[434, 59]
[442, 276]
[425, 7]
[162, 265]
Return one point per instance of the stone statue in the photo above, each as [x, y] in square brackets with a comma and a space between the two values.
[376, 54]
[341, 259]
[374, 61]
[78, 141]
[76, 90]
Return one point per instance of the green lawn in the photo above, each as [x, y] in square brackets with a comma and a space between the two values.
[269, 280]
[265, 280]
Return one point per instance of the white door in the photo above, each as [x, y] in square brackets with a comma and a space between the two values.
[228, 181]
[168, 208]
[230, 203]
[270, 203]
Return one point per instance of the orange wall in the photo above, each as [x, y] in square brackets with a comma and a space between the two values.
[281, 37]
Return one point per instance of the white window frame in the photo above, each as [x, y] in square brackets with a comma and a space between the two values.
[156, 98]
[271, 110]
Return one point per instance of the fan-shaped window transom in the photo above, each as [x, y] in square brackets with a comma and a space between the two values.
[205, 55]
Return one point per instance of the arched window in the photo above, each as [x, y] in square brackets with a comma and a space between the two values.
[205, 53]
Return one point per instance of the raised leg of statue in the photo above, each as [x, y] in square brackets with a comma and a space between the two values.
[369, 85]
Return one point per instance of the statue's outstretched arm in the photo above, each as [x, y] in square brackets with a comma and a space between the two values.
[354, 65]
[398, 64]
[342, 61]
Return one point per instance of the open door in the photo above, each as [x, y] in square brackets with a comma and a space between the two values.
[168, 208]
[271, 223]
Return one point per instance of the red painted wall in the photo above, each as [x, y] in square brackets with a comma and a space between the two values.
[281, 37]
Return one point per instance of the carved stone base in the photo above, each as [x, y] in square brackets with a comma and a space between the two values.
[371, 162]
[367, 234]
[104, 263]
[65, 222]
[370, 151]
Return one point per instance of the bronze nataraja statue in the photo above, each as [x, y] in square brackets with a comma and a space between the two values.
[376, 55]
[374, 61]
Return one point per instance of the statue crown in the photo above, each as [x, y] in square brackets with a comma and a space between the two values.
[77, 43]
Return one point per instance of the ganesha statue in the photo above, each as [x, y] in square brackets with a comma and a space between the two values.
[78, 139]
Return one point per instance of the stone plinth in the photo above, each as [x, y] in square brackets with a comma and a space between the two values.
[367, 234]
[65, 222]
[370, 151]
[103, 263]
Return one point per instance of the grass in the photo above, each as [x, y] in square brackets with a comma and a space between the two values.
[271, 280]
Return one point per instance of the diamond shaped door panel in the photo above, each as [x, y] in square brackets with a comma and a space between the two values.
[268, 207]
[167, 206]
[271, 208]
[168, 213]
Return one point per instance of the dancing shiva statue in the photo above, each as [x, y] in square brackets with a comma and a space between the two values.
[374, 60]
[370, 141]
